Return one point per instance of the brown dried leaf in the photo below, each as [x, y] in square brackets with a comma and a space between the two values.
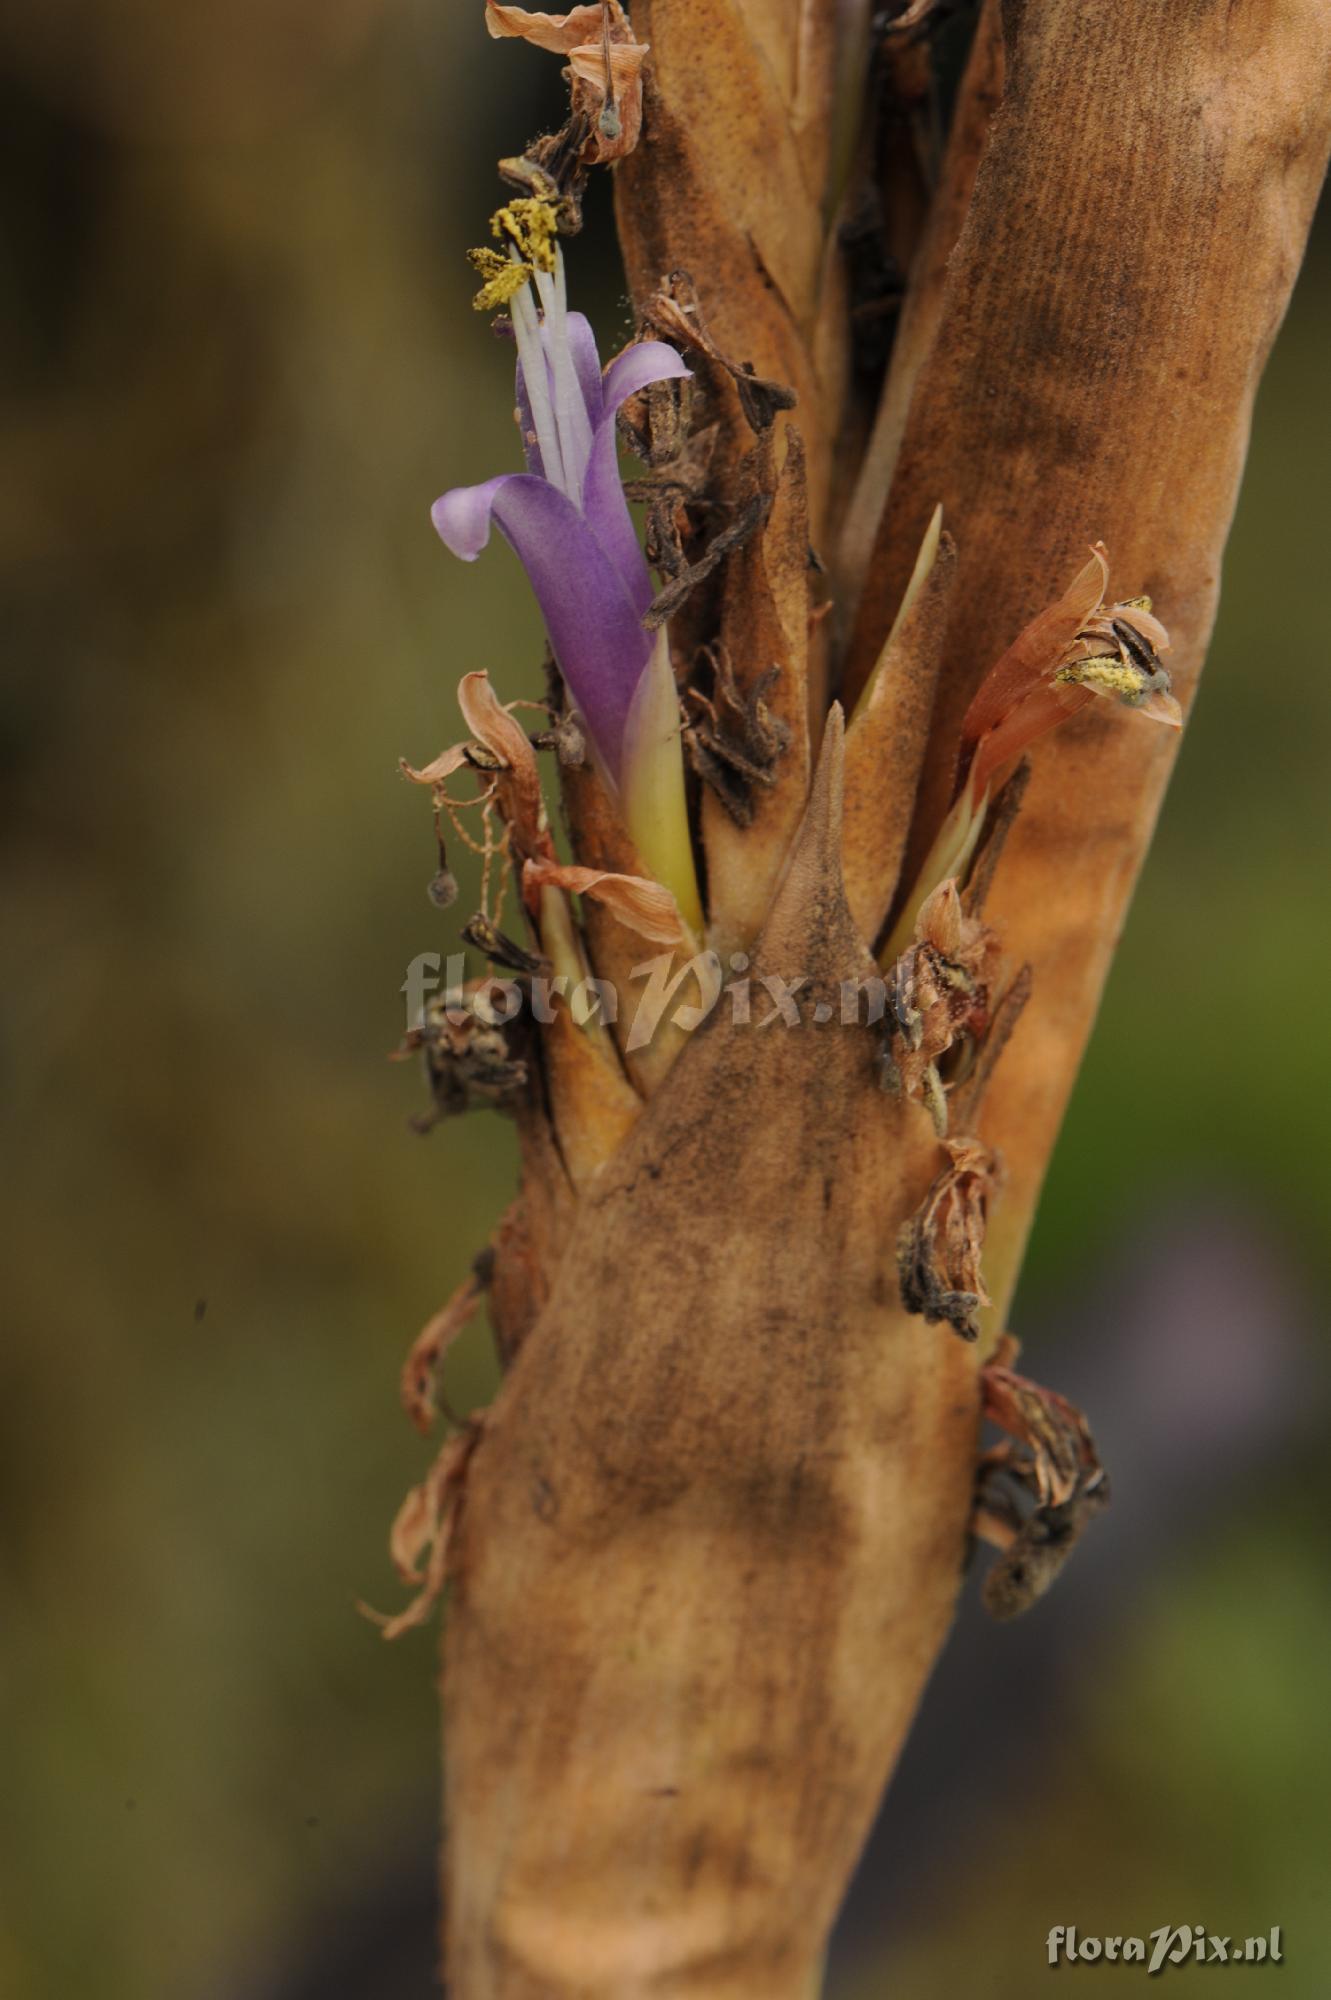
[594, 1105]
[643, 905]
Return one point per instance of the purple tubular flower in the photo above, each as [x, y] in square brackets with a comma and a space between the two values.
[567, 517]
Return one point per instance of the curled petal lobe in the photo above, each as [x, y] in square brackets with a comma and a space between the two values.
[462, 516]
[646, 907]
[559, 33]
[593, 625]
[439, 769]
[491, 723]
[645, 362]
[519, 782]
[603, 501]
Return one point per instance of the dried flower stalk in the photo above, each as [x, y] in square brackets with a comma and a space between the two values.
[705, 1544]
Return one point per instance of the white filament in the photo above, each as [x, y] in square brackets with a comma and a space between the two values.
[531, 353]
[571, 419]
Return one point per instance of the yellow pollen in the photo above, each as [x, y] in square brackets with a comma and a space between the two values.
[503, 277]
[1107, 675]
[531, 225]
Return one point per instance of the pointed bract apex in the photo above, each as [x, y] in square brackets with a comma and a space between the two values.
[888, 732]
[809, 920]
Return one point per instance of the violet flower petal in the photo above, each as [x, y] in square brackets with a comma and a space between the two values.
[593, 625]
[641, 364]
[603, 502]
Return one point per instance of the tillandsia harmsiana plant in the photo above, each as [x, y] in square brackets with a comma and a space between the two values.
[857, 755]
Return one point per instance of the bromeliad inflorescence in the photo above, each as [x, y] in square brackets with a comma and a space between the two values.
[568, 520]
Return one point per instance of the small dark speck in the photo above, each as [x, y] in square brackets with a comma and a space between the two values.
[664, 1792]
[131, 1805]
[200, 1308]
[544, 1499]
[312, 1820]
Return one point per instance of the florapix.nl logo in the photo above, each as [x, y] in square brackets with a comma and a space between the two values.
[664, 988]
[1169, 1944]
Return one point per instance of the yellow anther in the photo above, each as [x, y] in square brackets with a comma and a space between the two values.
[503, 277]
[1108, 675]
[531, 225]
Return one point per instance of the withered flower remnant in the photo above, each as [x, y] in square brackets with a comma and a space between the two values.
[605, 69]
[1075, 650]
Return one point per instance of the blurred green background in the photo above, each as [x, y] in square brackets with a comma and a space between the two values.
[240, 363]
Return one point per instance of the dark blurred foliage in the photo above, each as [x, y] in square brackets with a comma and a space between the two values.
[239, 363]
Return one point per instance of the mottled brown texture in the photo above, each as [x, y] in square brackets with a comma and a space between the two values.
[729, 183]
[1136, 228]
[765, 623]
[714, 1528]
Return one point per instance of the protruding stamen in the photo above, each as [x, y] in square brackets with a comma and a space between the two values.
[570, 411]
[531, 353]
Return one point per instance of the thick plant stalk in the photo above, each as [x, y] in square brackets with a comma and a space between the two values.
[713, 1535]
[704, 1546]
